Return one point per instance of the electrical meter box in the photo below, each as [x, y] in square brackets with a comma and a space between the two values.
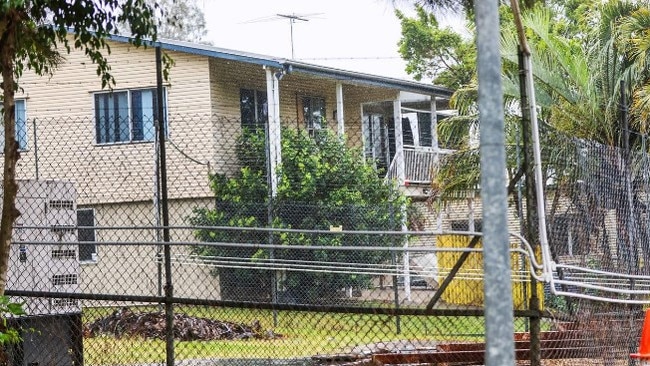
[44, 257]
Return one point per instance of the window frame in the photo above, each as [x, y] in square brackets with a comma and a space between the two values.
[463, 225]
[260, 109]
[130, 116]
[424, 129]
[21, 146]
[24, 142]
[93, 244]
[308, 114]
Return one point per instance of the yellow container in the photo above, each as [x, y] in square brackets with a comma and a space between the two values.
[467, 286]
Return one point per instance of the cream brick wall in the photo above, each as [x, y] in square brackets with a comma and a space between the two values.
[440, 218]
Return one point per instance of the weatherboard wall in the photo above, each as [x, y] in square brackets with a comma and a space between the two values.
[63, 107]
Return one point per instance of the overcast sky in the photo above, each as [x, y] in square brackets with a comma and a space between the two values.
[359, 35]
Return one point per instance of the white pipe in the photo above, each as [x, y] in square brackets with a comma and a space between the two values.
[401, 176]
[274, 127]
[434, 124]
[547, 259]
[399, 141]
[340, 117]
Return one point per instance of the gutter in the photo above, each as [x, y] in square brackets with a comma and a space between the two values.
[367, 79]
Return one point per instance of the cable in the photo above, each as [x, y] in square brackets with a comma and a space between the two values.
[206, 163]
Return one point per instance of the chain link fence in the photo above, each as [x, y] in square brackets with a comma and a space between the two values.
[328, 261]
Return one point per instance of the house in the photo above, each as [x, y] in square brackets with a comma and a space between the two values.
[71, 129]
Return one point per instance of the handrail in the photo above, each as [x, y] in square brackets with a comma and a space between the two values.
[420, 163]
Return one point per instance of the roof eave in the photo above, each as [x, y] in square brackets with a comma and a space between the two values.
[368, 79]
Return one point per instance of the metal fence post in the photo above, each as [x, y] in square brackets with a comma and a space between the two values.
[398, 323]
[498, 287]
[169, 288]
[35, 149]
[531, 232]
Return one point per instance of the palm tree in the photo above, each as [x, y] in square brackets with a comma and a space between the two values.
[578, 85]
[633, 37]
[580, 80]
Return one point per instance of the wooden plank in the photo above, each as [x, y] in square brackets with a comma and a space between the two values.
[544, 343]
[477, 357]
[429, 357]
[565, 344]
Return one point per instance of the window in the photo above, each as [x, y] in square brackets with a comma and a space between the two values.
[375, 140]
[63, 303]
[407, 132]
[21, 127]
[416, 129]
[125, 116]
[464, 225]
[21, 124]
[87, 250]
[567, 238]
[254, 109]
[314, 113]
[424, 129]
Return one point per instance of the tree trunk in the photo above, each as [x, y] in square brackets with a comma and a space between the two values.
[11, 154]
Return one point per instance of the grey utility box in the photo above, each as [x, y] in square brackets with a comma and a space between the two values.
[44, 257]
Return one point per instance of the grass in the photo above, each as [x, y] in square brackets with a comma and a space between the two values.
[304, 334]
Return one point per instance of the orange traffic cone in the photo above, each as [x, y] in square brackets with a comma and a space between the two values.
[644, 343]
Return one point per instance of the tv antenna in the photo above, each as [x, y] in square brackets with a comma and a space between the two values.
[293, 17]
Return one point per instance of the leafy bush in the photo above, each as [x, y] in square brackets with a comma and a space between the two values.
[322, 183]
[9, 335]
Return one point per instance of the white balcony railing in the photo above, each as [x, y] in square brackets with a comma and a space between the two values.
[420, 164]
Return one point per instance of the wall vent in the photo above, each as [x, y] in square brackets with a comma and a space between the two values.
[61, 204]
[64, 279]
[64, 254]
[63, 303]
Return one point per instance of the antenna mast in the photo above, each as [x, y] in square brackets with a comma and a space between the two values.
[292, 19]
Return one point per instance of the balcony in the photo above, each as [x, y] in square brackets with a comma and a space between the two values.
[420, 164]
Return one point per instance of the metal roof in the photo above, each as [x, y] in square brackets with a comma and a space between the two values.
[369, 79]
[209, 51]
[300, 67]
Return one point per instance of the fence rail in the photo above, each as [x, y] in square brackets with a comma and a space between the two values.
[357, 310]
[330, 262]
